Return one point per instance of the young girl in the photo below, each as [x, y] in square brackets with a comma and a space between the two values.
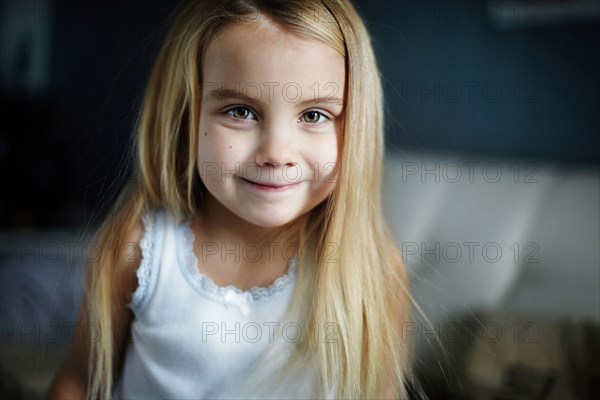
[250, 256]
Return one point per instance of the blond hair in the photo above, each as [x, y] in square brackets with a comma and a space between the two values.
[363, 292]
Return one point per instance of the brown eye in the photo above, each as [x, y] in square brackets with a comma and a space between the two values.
[312, 117]
[240, 112]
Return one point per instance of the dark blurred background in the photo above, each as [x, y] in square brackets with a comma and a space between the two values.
[478, 78]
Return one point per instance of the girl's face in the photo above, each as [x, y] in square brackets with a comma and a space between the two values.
[270, 123]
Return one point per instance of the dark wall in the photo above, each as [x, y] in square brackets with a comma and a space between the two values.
[454, 81]
[67, 140]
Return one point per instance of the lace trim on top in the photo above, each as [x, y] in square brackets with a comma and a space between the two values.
[223, 292]
[144, 271]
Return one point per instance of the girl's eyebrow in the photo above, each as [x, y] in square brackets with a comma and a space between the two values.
[222, 94]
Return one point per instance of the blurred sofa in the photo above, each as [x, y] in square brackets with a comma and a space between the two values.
[504, 260]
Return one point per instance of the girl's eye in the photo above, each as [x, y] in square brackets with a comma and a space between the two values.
[239, 113]
[314, 117]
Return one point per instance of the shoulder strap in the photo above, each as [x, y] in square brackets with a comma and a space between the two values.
[146, 273]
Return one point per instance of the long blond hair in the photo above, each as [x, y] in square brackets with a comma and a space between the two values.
[362, 290]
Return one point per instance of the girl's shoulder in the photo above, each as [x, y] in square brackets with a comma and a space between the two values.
[144, 246]
[139, 272]
[141, 236]
[128, 265]
[134, 247]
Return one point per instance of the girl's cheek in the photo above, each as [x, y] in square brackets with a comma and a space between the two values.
[331, 165]
[325, 155]
[222, 152]
[324, 167]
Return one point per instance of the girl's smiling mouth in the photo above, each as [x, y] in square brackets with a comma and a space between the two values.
[271, 187]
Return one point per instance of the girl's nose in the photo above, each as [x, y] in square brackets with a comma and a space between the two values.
[276, 146]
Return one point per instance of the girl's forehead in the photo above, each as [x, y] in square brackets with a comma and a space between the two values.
[249, 53]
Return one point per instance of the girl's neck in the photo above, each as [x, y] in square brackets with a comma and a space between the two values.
[224, 232]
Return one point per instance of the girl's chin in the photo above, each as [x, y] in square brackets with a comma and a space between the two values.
[269, 221]
[269, 218]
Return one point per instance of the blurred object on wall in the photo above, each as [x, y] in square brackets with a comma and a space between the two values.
[25, 41]
[510, 14]
[33, 161]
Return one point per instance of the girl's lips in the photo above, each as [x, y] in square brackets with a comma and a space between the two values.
[271, 188]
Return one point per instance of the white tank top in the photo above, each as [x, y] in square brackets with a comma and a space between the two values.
[192, 339]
